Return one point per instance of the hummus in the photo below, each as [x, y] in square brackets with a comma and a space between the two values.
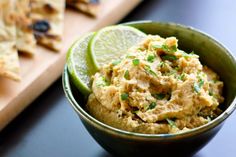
[155, 88]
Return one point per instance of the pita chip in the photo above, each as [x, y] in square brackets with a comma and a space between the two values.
[47, 17]
[25, 38]
[9, 62]
[90, 7]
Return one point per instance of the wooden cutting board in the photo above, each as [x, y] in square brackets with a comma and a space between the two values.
[39, 72]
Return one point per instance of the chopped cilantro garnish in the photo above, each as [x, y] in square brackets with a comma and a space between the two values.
[126, 75]
[208, 118]
[171, 122]
[150, 58]
[172, 72]
[201, 83]
[173, 48]
[159, 96]
[134, 111]
[149, 70]
[187, 55]
[165, 48]
[101, 82]
[124, 96]
[135, 62]
[215, 81]
[169, 49]
[182, 76]
[161, 64]
[177, 68]
[152, 105]
[197, 86]
[140, 49]
[169, 57]
[191, 53]
[130, 55]
[210, 93]
[156, 46]
[116, 62]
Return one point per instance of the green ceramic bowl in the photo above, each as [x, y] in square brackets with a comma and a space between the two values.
[124, 143]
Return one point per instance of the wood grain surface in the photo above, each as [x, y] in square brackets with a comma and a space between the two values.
[39, 72]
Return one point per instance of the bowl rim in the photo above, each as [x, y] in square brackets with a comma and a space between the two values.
[89, 118]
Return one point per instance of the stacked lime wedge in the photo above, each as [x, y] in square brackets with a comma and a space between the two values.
[110, 43]
[79, 64]
[94, 50]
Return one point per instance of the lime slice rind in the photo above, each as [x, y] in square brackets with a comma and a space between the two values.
[94, 50]
[79, 65]
[111, 42]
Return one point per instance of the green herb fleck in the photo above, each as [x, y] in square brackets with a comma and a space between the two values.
[135, 62]
[187, 55]
[149, 70]
[182, 76]
[130, 55]
[177, 68]
[169, 57]
[197, 86]
[156, 46]
[101, 82]
[140, 49]
[159, 96]
[151, 58]
[124, 96]
[152, 106]
[208, 118]
[173, 48]
[201, 83]
[210, 93]
[116, 62]
[134, 111]
[171, 123]
[192, 53]
[161, 64]
[172, 72]
[169, 49]
[126, 75]
[165, 47]
[215, 81]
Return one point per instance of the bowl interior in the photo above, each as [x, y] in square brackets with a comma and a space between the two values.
[211, 53]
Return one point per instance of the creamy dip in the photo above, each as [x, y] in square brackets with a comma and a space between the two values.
[156, 88]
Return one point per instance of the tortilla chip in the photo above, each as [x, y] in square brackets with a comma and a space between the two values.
[9, 62]
[90, 7]
[47, 16]
[25, 38]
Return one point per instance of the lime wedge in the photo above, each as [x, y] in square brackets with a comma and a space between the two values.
[79, 64]
[111, 42]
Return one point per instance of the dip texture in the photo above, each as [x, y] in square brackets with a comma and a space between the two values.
[155, 88]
